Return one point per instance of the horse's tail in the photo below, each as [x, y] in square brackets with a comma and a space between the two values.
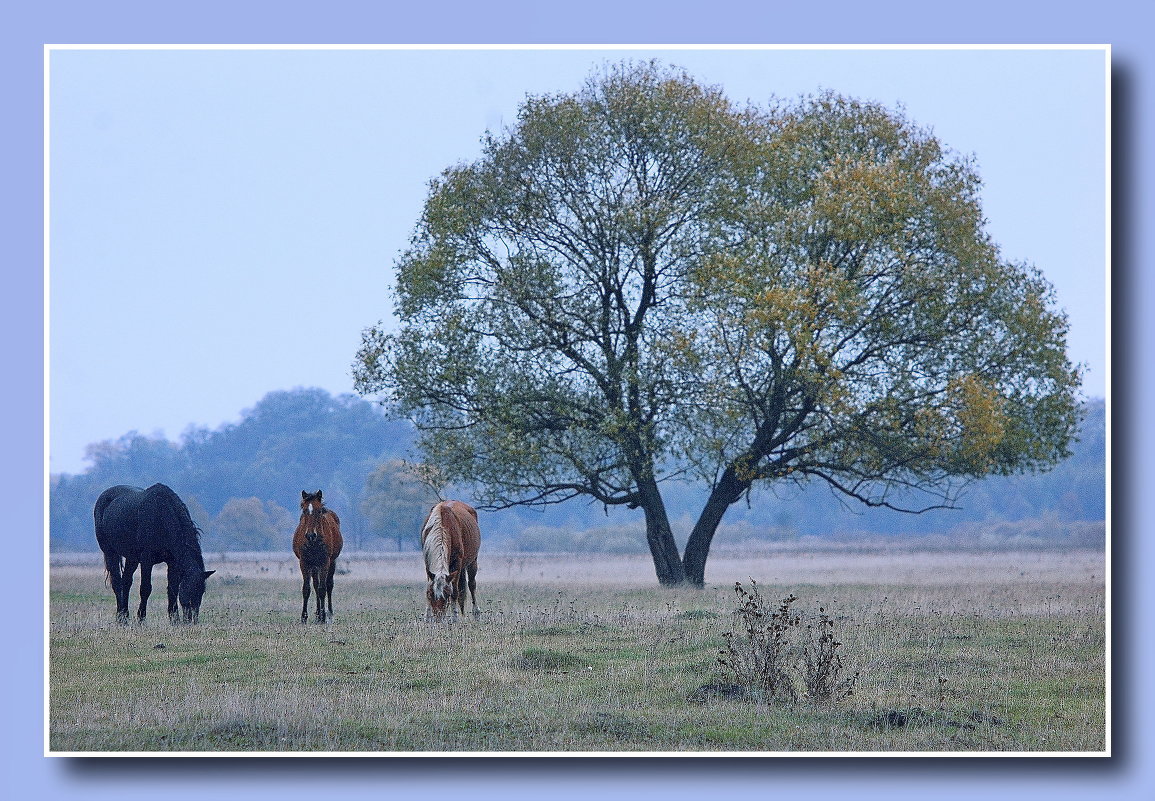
[98, 510]
[112, 561]
[106, 497]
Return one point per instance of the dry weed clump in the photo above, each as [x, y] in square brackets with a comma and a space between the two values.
[821, 664]
[777, 658]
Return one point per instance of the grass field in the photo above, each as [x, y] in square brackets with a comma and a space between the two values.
[956, 651]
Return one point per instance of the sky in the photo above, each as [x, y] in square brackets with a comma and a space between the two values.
[224, 223]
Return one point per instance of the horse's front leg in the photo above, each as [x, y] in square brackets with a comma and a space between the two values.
[304, 595]
[319, 586]
[173, 590]
[145, 590]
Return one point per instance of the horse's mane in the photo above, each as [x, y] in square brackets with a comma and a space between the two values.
[434, 545]
[171, 511]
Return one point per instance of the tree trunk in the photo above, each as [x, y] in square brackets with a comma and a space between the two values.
[728, 490]
[660, 537]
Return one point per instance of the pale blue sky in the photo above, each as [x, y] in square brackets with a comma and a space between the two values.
[224, 223]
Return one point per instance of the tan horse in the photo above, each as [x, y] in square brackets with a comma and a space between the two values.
[450, 540]
[317, 544]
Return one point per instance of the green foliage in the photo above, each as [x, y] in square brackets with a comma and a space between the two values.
[861, 327]
[640, 281]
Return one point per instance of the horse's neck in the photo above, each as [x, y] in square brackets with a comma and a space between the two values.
[179, 532]
[188, 556]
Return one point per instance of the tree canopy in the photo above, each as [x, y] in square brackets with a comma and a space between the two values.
[640, 281]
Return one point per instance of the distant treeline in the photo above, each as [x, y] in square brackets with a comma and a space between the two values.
[242, 483]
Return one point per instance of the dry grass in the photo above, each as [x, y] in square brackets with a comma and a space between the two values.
[957, 652]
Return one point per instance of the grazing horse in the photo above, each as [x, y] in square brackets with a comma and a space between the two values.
[450, 540]
[144, 527]
[317, 544]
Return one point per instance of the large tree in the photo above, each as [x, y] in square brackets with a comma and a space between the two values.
[639, 282]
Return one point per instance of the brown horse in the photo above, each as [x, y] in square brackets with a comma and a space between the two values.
[450, 540]
[317, 544]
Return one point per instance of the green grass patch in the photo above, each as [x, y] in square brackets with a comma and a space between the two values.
[547, 659]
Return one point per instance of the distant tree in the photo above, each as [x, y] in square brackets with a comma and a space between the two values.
[135, 457]
[639, 282]
[395, 501]
[248, 524]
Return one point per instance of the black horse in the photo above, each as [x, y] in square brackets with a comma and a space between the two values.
[144, 527]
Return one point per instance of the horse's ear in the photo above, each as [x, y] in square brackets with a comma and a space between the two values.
[318, 495]
[209, 573]
[304, 495]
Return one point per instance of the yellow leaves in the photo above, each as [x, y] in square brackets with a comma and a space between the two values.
[981, 419]
[967, 428]
[721, 274]
[775, 306]
[864, 200]
[960, 429]
[681, 347]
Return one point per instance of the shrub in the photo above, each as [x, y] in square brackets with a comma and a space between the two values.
[778, 658]
[761, 655]
[822, 666]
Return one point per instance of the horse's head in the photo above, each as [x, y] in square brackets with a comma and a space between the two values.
[439, 592]
[311, 502]
[190, 591]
